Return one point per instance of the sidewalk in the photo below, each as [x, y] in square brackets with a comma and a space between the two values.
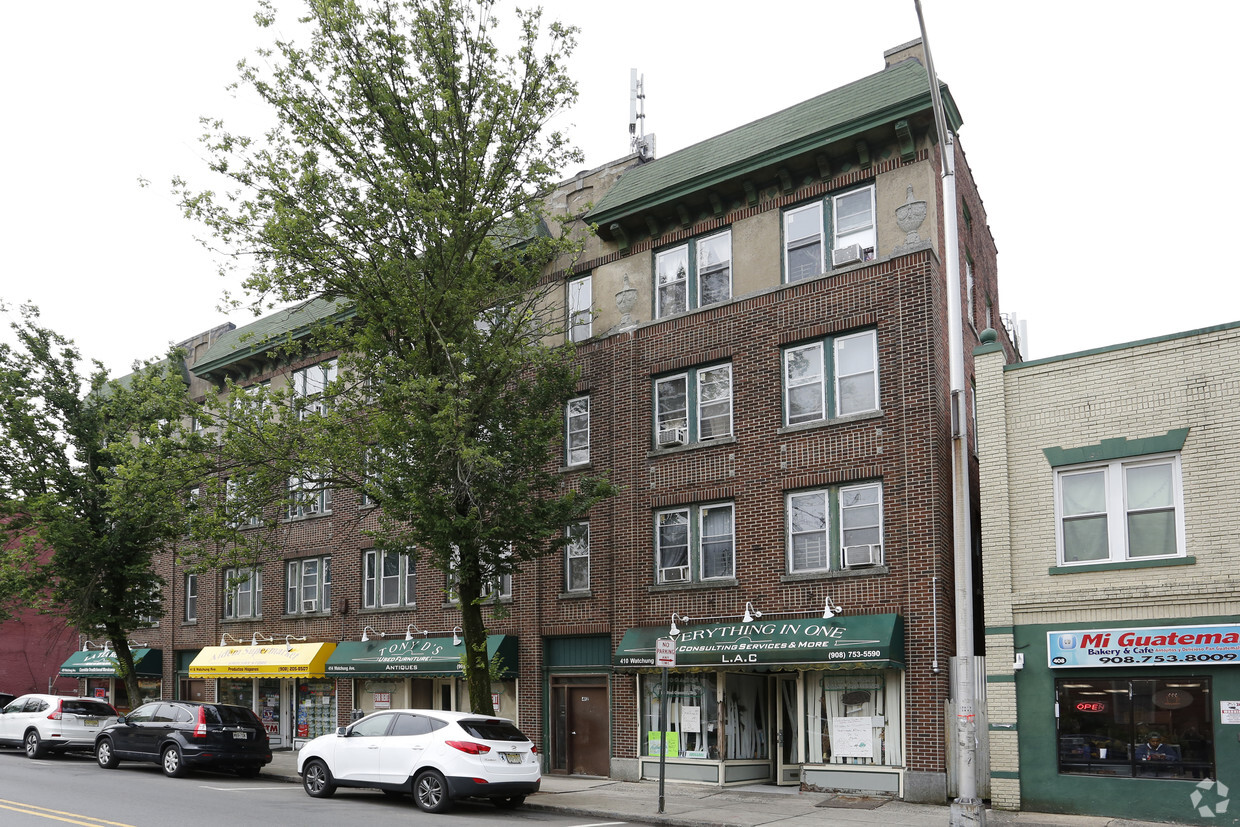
[691, 805]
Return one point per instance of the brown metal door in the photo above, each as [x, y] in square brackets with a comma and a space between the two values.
[193, 690]
[589, 744]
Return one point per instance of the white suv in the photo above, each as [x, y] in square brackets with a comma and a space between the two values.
[53, 723]
[438, 756]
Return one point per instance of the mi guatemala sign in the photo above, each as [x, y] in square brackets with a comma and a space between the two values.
[1144, 646]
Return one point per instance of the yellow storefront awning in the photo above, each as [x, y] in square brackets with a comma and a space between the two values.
[276, 660]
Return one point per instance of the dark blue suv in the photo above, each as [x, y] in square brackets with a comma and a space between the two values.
[182, 735]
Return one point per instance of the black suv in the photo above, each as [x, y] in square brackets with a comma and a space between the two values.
[182, 735]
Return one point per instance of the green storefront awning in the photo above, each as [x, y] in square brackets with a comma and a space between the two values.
[147, 663]
[837, 643]
[435, 657]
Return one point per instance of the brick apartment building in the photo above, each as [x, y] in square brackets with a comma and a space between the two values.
[1108, 482]
[762, 329]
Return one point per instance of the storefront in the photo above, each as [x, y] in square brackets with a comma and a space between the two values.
[421, 673]
[800, 701]
[97, 668]
[1128, 720]
[283, 683]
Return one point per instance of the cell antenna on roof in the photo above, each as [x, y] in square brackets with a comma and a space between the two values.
[639, 141]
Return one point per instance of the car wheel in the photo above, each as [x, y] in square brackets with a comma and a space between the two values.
[249, 772]
[317, 779]
[430, 792]
[105, 755]
[512, 802]
[173, 762]
[34, 745]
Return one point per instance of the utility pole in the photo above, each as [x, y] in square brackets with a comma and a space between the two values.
[966, 809]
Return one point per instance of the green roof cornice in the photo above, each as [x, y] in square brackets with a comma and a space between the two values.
[1117, 448]
[281, 327]
[880, 99]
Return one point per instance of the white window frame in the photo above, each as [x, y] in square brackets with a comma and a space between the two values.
[309, 496]
[191, 598]
[864, 234]
[577, 431]
[247, 582]
[819, 349]
[310, 383]
[376, 580]
[835, 530]
[795, 245]
[580, 309]
[693, 520]
[697, 270]
[694, 416]
[577, 558]
[230, 495]
[1116, 512]
[489, 590]
[308, 580]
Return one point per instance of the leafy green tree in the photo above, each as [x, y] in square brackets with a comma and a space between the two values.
[96, 471]
[406, 180]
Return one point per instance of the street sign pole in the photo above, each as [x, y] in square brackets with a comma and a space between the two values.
[665, 658]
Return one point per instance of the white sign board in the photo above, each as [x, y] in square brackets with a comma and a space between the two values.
[691, 719]
[1229, 712]
[852, 737]
[665, 652]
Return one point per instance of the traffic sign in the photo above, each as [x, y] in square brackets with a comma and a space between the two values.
[665, 652]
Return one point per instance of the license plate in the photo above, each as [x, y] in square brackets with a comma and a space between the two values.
[241, 736]
[512, 757]
[91, 722]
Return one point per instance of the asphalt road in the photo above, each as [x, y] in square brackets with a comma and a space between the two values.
[72, 789]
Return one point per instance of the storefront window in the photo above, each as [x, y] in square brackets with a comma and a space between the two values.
[1143, 727]
[239, 691]
[852, 718]
[692, 716]
[316, 708]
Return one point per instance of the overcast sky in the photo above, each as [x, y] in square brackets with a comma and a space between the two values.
[1096, 130]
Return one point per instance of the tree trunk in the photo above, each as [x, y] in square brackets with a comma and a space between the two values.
[124, 665]
[477, 664]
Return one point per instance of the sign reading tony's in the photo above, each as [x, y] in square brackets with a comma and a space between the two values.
[1144, 646]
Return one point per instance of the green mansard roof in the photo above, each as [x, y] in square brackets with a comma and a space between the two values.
[271, 330]
[895, 92]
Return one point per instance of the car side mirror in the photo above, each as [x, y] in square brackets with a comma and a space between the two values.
[122, 719]
[342, 731]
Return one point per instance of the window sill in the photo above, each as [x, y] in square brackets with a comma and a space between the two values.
[659, 452]
[239, 620]
[833, 574]
[823, 423]
[193, 622]
[314, 516]
[580, 466]
[305, 614]
[721, 583]
[371, 610]
[1124, 564]
[576, 595]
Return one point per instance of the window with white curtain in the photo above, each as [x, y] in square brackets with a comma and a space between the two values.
[853, 718]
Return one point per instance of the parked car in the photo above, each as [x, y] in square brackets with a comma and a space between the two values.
[53, 723]
[436, 755]
[183, 735]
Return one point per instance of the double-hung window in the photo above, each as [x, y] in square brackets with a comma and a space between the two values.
[695, 406]
[850, 228]
[580, 310]
[856, 510]
[310, 384]
[243, 593]
[238, 517]
[307, 496]
[495, 586]
[837, 375]
[577, 431]
[388, 580]
[308, 585]
[191, 598]
[577, 558]
[695, 544]
[693, 275]
[1129, 509]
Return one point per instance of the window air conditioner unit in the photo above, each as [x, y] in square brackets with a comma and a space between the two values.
[846, 255]
[868, 555]
[676, 575]
[673, 436]
[309, 605]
